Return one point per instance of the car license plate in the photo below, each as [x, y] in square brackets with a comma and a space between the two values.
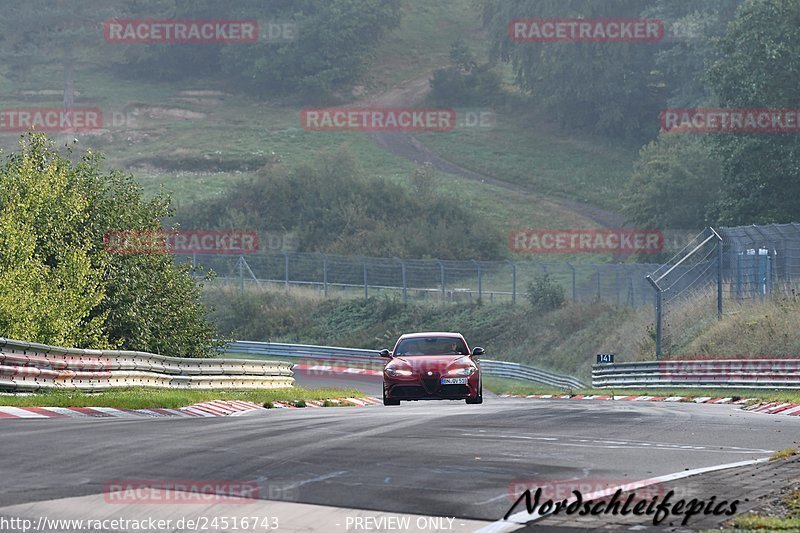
[454, 381]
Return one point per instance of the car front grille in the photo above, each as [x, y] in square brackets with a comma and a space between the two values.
[430, 384]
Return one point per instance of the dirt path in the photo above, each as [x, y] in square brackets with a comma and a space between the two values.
[409, 147]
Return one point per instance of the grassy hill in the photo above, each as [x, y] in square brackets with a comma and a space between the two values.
[196, 138]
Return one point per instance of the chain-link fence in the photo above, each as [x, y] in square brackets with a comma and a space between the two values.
[735, 265]
[760, 260]
[431, 279]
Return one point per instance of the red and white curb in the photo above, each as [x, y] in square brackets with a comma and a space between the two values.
[708, 399]
[775, 408]
[204, 409]
[769, 408]
[214, 408]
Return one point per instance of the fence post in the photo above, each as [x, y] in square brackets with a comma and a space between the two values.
[441, 272]
[286, 269]
[403, 273]
[513, 282]
[597, 276]
[658, 315]
[574, 292]
[325, 273]
[719, 273]
[480, 280]
[241, 274]
[366, 289]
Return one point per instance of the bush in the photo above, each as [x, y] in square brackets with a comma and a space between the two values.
[545, 295]
[334, 208]
[58, 285]
[464, 82]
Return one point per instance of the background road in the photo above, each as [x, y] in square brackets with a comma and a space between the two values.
[428, 458]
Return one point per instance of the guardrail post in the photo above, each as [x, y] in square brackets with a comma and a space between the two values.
[325, 274]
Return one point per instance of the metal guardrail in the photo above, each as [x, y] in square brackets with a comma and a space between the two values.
[727, 374]
[308, 351]
[27, 366]
[371, 358]
[529, 373]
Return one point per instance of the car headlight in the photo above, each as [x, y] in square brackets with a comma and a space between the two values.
[462, 371]
[393, 371]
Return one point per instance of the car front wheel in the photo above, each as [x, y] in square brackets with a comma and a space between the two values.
[389, 401]
[478, 397]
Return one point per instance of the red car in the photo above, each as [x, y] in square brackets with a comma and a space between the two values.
[432, 366]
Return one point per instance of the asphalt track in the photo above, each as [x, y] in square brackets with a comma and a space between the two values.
[320, 469]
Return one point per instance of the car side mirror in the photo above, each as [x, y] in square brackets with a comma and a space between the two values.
[385, 353]
[478, 351]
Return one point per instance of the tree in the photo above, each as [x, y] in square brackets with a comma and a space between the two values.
[465, 82]
[674, 183]
[59, 285]
[333, 207]
[691, 30]
[757, 65]
[603, 87]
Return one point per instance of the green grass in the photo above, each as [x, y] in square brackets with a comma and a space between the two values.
[141, 398]
[521, 150]
[791, 522]
[200, 158]
[424, 37]
[784, 454]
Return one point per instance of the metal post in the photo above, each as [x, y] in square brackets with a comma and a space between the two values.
[574, 287]
[325, 274]
[616, 284]
[719, 274]
[286, 269]
[366, 289]
[513, 282]
[241, 274]
[441, 272]
[480, 280]
[658, 315]
[405, 285]
[597, 276]
[658, 324]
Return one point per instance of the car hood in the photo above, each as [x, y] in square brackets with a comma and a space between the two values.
[423, 363]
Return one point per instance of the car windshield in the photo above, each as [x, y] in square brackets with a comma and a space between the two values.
[432, 346]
